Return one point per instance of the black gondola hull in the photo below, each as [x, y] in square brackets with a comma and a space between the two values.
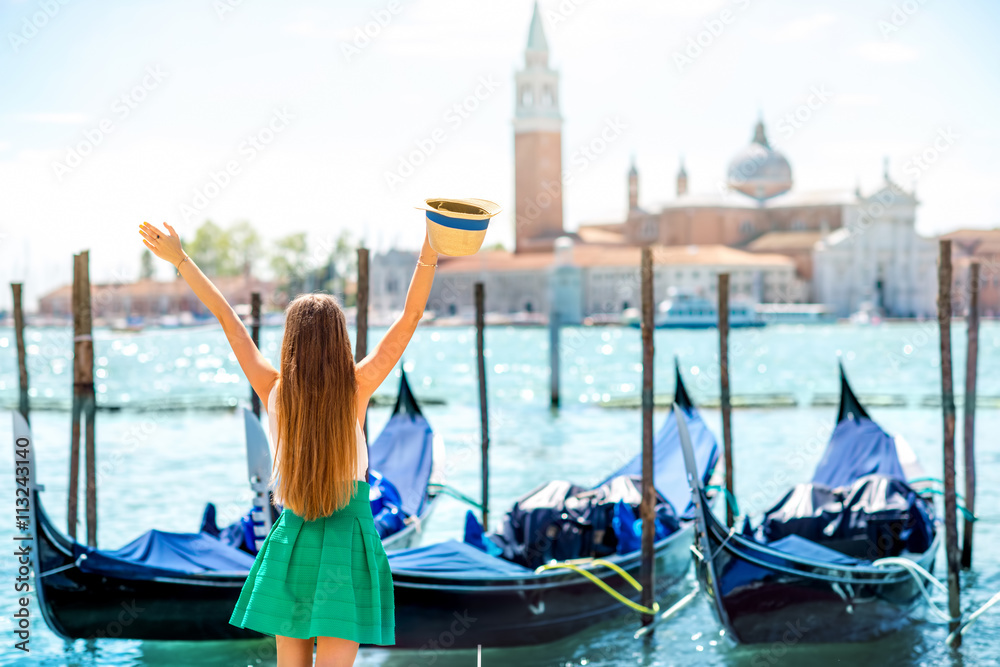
[78, 604]
[522, 612]
[762, 598]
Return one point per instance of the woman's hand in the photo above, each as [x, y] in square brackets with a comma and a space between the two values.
[427, 253]
[163, 245]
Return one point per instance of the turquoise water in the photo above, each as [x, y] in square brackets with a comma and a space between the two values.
[159, 468]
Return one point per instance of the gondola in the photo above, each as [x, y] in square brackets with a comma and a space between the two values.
[808, 572]
[456, 595]
[183, 586]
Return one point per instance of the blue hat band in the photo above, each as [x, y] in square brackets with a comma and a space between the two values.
[458, 223]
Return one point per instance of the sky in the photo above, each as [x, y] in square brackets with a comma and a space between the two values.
[323, 117]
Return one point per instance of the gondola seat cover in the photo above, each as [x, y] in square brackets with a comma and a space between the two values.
[158, 553]
[875, 517]
[741, 573]
[562, 521]
[453, 559]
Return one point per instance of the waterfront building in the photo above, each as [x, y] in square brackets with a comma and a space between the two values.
[153, 299]
[983, 246]
[877, 260]
[600, 281]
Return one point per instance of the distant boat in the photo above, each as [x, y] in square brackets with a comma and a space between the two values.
[683, 310]
[130, 324]
[867, 313]
[795, 313]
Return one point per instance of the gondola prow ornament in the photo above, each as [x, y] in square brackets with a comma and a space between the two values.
[458, 226]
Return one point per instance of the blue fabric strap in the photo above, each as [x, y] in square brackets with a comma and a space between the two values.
[458, 223]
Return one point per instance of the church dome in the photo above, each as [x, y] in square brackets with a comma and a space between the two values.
[758, 170]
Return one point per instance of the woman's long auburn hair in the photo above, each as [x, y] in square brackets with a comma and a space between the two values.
[317, 454]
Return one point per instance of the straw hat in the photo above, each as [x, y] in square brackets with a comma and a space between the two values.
[458, 226]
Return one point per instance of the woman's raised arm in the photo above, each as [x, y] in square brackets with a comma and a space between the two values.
[374, 368]
[167, 246]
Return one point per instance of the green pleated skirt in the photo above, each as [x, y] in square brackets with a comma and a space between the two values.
[324, 578]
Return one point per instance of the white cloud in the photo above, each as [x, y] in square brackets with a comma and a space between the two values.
[887, 52]
[801, 29]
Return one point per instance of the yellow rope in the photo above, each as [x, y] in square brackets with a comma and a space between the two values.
[572, 565]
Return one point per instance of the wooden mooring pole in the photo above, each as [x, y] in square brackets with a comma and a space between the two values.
[84, 403]
[952, 555]
[724, 400]
[483, 409]
[22, 359]
[647, 508]
[969, 428]
[361, 344]
[554, 323]
[255, 337]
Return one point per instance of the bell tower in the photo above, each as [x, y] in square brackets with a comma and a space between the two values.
[633, 187]
[538, 219]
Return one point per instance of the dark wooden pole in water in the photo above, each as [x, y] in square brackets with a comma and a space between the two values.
[724, 401]
[647, 508]
[554, 323]
[483, 410]
[255, 337]
[74, 441]
[969, 430]
[22, 361]
[89, 398]
[84, 403]
[361, 344]
[952, 555]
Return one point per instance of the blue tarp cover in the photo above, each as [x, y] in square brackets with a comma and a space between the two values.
[857, 447]
[453, 559]
[403, 454]
[157, 553]
[739, 573]
[803, 548]
[669, 475]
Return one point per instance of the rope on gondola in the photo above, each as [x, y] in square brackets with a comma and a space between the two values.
[730, 498]
[454, 493]
[971, 619]
[961, 508]
[566, 565]
[919, 573]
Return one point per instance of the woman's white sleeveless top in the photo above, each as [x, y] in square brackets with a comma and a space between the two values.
[272, 424]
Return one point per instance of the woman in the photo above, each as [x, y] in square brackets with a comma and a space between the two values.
[321, 575]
